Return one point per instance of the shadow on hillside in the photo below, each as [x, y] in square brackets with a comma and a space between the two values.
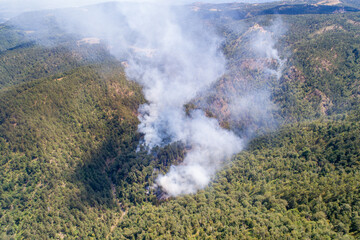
[98, 176]
[93, 179]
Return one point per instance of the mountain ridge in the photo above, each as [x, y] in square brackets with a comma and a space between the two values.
[72, 166]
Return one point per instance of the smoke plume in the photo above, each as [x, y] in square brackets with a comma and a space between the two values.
[174, 56]
[254, 101]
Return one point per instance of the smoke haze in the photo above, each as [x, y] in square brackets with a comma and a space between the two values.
[256, 102]
[31, 5]
[175, 56]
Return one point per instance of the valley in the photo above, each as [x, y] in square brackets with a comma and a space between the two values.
[73, 158]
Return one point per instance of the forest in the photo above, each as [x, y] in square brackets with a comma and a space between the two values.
[72, 167]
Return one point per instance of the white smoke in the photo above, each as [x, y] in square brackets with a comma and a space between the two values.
[256, 103]
[264, 43]
[184, 60]
[174, 56]
[211, 147]
[34, 5]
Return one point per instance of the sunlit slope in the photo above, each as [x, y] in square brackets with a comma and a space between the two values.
[23, 58]
[68, 141]
[301, 182]
[58, 136]
[325, 62]
[321, 70]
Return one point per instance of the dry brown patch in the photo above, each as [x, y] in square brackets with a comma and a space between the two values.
[326, 64]
[61, 235]
[90, 41]
[294, 74]
[329, 2]
[258, 63]
[325, 102]
[327, 29]
[119, 90]
[353, 22]
[257, 27]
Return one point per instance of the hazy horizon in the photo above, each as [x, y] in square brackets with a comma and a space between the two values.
[18, 6]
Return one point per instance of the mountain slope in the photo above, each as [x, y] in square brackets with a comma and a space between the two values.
[23, 59]
[301, 182]
[56, 134]
[71, 167]
[319, 78]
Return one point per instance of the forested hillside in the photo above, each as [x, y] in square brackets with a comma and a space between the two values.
[72, 166]
[301, 182]
[58, 136]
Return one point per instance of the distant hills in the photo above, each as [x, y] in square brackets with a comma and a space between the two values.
[238, 11]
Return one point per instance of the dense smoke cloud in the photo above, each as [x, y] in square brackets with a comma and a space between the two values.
[173, 62]
[174, 56]
[211, 146]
